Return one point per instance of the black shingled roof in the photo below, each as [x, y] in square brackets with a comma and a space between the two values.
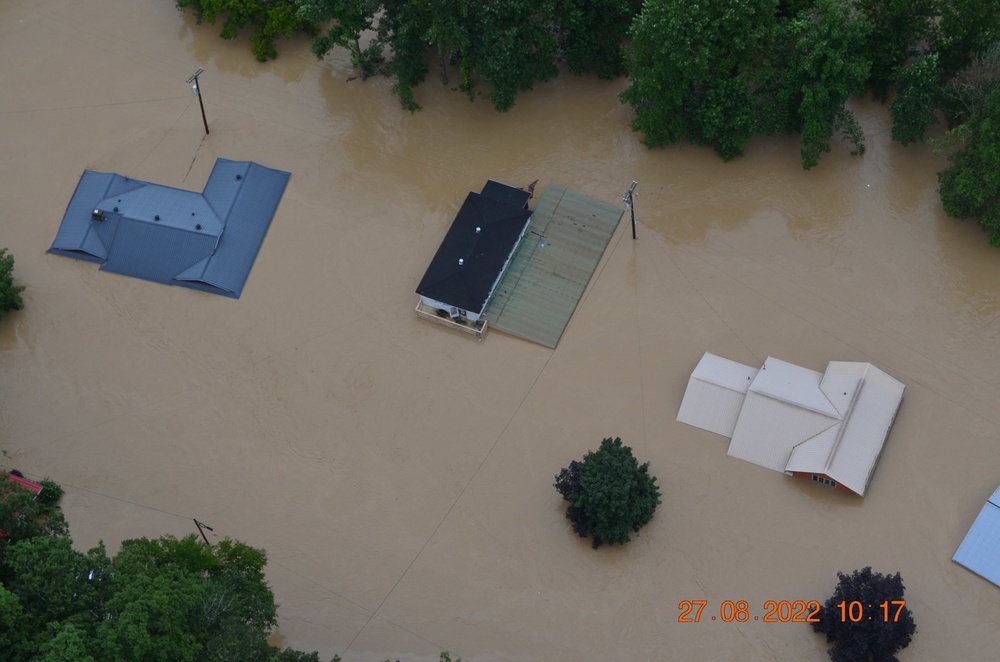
[483, 235]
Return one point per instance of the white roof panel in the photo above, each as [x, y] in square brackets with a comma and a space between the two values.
[864, 434]
[710, 407]
[768, 429]
[715, 393]
[813, 456]
[793, 384]
[725, 372]
[980, 550]
[840, 388]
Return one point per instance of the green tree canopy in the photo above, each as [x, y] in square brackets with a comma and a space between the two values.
[691, 66]
[955, 67]
[964, 29]
[592, 34]
[828, 66]
[610, 495]
[898, 29]
[152, 615]
[505, 46]
[156, 599]
[11, 618]
[54, 584]
[719, 73]
[346, 20]
[970, 186]
[68, 644]
[10, 294]
[24, 516]
[269, 18]
[918, 94]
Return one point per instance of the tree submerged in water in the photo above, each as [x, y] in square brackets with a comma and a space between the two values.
[10, 294]
[866, 618]
[610, 495]
[270, 19]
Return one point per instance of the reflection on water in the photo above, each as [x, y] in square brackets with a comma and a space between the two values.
[234, 56]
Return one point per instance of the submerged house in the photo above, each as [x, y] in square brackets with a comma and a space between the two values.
[828, 427]
[206, 241]
[18, 479]
[475, 252]
[522, 272]
[980, 550]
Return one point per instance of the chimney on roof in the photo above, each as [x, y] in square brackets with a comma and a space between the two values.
[97, 215]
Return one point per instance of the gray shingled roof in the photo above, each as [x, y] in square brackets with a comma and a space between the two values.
[205, 241]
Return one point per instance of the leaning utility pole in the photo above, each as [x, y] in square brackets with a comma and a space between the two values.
[627, 199]
[193, 79]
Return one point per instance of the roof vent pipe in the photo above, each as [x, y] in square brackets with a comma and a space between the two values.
[478, 229]
[461, 261]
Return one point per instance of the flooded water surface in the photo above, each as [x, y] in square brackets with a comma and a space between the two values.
[400, 476]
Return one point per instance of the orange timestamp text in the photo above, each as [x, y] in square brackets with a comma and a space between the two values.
[775, 611]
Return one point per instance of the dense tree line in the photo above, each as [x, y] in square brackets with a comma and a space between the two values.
[712, 73]
[506, 45]
[163, 599]
[719, 73]
[970, 186]
[268, 18]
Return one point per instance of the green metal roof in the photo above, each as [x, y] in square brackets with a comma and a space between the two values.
[551, 268]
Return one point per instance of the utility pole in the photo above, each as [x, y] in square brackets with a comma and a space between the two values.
[627, 199]
[201, 529]
[193, 80]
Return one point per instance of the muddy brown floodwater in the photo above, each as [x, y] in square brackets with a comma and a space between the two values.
[400, 476]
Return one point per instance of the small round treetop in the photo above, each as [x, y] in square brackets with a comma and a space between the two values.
[610, 495]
